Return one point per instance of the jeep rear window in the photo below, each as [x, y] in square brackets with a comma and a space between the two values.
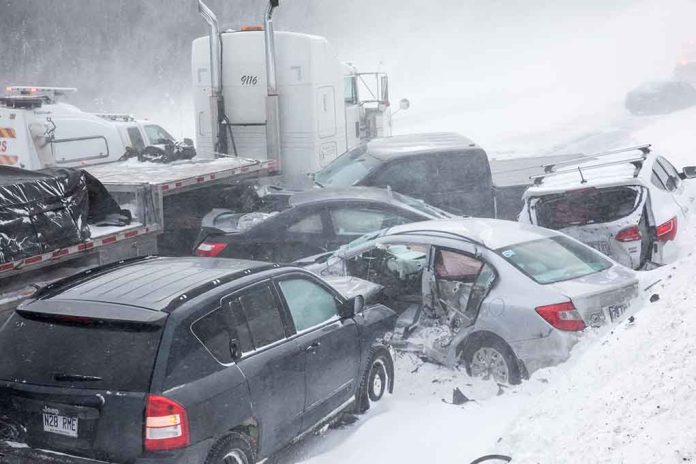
[590, 206]
[78, 352]
[554, 259]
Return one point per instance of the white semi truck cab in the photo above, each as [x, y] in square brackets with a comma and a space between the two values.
[283, 96]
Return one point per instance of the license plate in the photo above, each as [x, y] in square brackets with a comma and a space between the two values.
[602, 247]
[62, 425]
[616, 311]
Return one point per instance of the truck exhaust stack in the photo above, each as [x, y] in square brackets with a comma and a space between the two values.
[272, 108]
[217, 101]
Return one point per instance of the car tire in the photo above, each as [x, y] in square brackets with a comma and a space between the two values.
[491, 356]
[377, 380]
[233, 448]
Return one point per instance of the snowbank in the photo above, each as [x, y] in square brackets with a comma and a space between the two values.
[630, 398]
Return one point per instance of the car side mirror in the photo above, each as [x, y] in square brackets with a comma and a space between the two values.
[689, 172]
[188, 142]
[352, 307]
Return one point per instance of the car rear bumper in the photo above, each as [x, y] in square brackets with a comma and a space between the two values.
[21, 454]
[545, 351]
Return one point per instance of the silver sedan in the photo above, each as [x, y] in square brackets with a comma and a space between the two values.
[502, 298]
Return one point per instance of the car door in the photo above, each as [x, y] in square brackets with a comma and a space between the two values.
[330, 344]
[349, 221]
[273, 365]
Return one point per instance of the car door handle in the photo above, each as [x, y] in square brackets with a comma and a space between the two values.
[313, 346]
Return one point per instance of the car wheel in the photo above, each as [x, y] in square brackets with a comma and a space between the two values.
[377, 380]
[233, 448]
[491, 358]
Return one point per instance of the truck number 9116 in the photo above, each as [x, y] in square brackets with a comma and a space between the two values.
[250, 80]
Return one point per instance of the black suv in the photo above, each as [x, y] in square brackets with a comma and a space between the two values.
[184, 360]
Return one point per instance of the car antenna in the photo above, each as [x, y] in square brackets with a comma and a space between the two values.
[583, 180]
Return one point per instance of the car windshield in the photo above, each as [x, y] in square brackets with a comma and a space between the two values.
[348, 169]
[156, 134]
[589, 206]
[554, 259]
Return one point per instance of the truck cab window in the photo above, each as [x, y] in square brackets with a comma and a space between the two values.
[157, 135]
[136, 138]
[405, 176]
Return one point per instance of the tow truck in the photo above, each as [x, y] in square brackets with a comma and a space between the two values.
[284, 106]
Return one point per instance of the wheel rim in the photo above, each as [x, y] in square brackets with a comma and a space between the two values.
[489, 363]
[378, 380]
[234, 457]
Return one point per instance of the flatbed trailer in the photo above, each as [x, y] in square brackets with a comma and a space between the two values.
[152, 192]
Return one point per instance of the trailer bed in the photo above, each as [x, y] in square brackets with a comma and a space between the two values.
[180, 175]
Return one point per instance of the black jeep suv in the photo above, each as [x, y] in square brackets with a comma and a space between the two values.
[184, 360]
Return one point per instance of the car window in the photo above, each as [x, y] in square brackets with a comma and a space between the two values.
[403, 175]
[217, 330]
[587, 206]
[554, 259]
[459, 172]
[673, 181]
[661, 179]
[120, 355]
[359, 221]
[309, 303]
[157, 134]
[136, 138]
[260, 309]
[309, 225]
[456, 276]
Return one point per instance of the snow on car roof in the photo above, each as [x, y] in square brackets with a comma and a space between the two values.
[493, 233]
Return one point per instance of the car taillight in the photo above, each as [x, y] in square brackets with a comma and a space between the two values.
[629, 234]
[562, 316]
[210, 249]
[166, 424]
[667, 231]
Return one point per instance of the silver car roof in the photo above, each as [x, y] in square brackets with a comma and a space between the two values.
[491, 233]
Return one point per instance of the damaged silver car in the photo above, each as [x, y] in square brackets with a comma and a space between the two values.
[501, 298]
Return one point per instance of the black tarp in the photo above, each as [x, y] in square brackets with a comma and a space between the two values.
[41, 211]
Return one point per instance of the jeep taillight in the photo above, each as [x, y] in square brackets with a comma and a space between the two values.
[667, 231]
[562, 316]
[166, 424]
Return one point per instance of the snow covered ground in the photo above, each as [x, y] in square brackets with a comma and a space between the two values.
[628, 393]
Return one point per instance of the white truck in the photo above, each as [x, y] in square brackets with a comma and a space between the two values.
[248, 127]
[283, 96]
[38, 130]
